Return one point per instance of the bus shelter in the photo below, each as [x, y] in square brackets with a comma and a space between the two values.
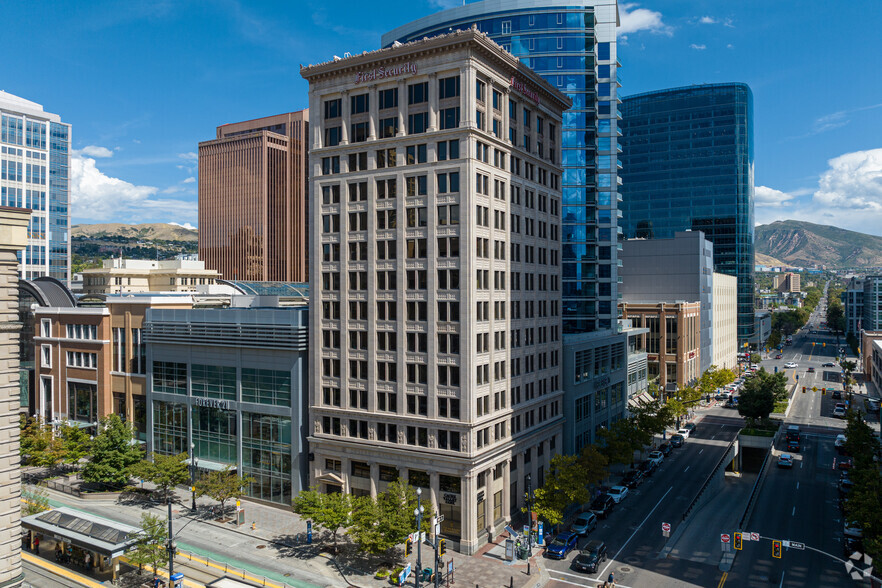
[77, 534]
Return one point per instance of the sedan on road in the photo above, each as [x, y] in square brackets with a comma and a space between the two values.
[791, 364]
[618, 493]
[665, 449]
[828, 364]
[785, 460]
[602, 506]
[793, 445]
[839, 412]
[584, 523]
[590, 558]
[648, 467]
[779, 356]
[684, 432]
[632, 479]
[562, 545]
[677, 440]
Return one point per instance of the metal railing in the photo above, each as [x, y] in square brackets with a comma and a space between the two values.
[709, 479]
[234, 571]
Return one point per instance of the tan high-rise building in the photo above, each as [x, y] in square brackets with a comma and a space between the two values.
[788, 282]
[435, 322]
[253, 199]
[13, 239]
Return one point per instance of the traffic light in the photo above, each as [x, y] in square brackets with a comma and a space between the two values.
[408, 547]
[825, 344]
[823, 391]
[803, 389]
[738, 540]
[442, 547]
[776, 549]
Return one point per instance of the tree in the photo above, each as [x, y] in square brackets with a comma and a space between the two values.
[651, 417]
[860, 441]
[113, 453]
[835, 315]
[676, 409]
[327, 511]
[380, 524]
[152, 543]
[165, 471]
[619, 441]
[36, 500]
[39, 445]
[714, 378]
[222, 485]
[76, 443]
[756, 401]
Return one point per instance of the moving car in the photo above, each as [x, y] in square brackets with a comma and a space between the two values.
[792, 432]
[665, 448]
[779, 356]
[785, 460]
[633, 478]
[602, 506]
[618, 493]
[837, 394]
[840, 441]
[562, 545]
[828, 364]
[839, 412]
[793, 445]
[584, 523]
[684, 432]
[677, 440]
[844, 463]
[791, 364]
[590, 558]
[811, 369]
[873, 404]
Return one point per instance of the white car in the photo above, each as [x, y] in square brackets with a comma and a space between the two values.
[839, 412]
[840, 441]
[790, 364]
[618, 493]
[657, 457]
[684, 432]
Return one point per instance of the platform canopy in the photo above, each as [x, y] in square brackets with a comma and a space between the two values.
[86, 531]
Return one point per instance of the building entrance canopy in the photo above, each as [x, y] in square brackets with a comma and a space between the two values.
[86, 531]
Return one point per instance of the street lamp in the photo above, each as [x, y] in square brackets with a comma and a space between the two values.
[418, 513]
[194, 463]
[530, 508]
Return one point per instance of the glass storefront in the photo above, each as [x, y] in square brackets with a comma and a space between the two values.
[214, 434]
[82, 402]
[169, 427]
[266, 456]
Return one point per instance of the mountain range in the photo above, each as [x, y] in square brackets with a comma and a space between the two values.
[799, 243]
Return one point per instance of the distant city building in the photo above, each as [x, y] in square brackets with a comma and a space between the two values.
[725, 321]
[35, 175]
[853, 305]
[253, 199]
[573, 46]
[763, 328]
[787, 282]
[435, 326]
[871, 320]
[13, 238]
[123, 276]
[231, 384]
[688, 164]
[672, 342]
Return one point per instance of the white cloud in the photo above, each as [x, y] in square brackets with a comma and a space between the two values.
[96, 151]
[770, 197]
[698, 47]
[189, 180]
[444, 4]
[707, 20]
[96, 196]
[730, 46]
[185, 225]
[634, 19]
[190, 156]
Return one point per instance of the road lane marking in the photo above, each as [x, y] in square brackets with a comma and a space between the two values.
[699, 453]
[625, 544]
[593, 582]
[686, 470]
[793, 514]
[797, 484]
[723, 579]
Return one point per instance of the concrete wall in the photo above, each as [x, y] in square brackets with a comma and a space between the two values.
[725, 321]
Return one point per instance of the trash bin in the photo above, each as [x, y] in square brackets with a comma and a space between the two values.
[177, 580]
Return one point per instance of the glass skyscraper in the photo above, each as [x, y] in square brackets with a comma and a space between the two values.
[572, 44]
[688, 165]
[35, 160]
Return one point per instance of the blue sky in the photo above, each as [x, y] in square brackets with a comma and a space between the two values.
[143, 82]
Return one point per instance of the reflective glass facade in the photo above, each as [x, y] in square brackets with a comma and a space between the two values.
[688, 165]
[574, 48]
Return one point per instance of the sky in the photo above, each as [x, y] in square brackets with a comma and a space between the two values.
[144, 81]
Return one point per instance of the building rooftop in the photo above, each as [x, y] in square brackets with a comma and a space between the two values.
[285, 289]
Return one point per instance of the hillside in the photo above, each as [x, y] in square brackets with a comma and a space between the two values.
[806, 244]
[146, 232]
[767, 260]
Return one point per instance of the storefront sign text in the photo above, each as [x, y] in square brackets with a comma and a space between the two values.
[383, 72]
[214, 403]
[524, 89]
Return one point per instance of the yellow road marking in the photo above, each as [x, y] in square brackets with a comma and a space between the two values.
[60, 571]
[723, 579]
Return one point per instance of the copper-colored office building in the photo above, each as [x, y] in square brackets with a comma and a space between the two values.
[253, 199]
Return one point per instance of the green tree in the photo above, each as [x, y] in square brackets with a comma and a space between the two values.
[165, 471]
[774, 339]
[676, 409]
[380, 524]
[756, 401]
[76, 443]
[222, 485]
[331, 512]
[564, 485]
[36, 499]
[651, 417]
[152, 543]
[619, 442]
[40, 446]
[114, 452]
[860, 440]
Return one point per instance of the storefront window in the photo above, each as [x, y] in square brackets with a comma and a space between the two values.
[169, 427]
[214, 433]
[82, 402]
[266, 456]
[266, 386]
[213, 381]
[169, 377]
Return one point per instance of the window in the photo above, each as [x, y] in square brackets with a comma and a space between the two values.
[417, 216]
[81, 359]
[388, 98]
[331, 194]
[448, 150]
[358, 192]
[448, 375]
[331, 165]
[388, 127]
[418, 93]
[448, 343]
[332, 136]
[417, 373]
[333, 108]
[45, 327]
[387, 189]
[448, 214]
[89, 332]
[358, 161]
[386, 158]
[448, 247]
[416, 154]
[169, 377]
[359, 132]
[448, 182]
[331, 396]
[213, 381]
[263, 386]
[360, 103]
[417, 123]
[448, 87]
[480, 90]
[450, 118]
[415, 186]
[506, 27]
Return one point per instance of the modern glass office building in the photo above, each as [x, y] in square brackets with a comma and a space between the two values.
[688, 165]
[572, 44]
[35, 159]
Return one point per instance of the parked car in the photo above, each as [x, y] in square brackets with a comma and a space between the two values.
[684, 432]
[665, 448]
[793, 446]
[844, 463]
[618, 493]
[791, 364]
[584, 523]
[590, 558]
[633, 478]
[648, 467]
[677, 440]
[873, 404]
[602, 506]
[690, 426]
[785, 460]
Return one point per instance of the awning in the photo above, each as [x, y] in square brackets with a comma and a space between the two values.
[85, 530]
[213, 466]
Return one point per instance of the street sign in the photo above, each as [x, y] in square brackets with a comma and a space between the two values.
[440, 518]
[725, 538]
[666, 527]
[754, 536]
[402, 577]
[794, 544]
[746, 536]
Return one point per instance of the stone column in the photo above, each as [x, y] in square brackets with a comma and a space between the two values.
[506, 492]
[316, 130]
[469, 498]
[402, 108]
[375, 477]
[469, 100]
[373, 117]
[433, 102]
[344, 119]
[503, 107]
[13, 238]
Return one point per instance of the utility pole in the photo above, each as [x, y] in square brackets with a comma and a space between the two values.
[437, 530]
[530, 508]
[193, 465]
[418, 511]
[171, 543]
